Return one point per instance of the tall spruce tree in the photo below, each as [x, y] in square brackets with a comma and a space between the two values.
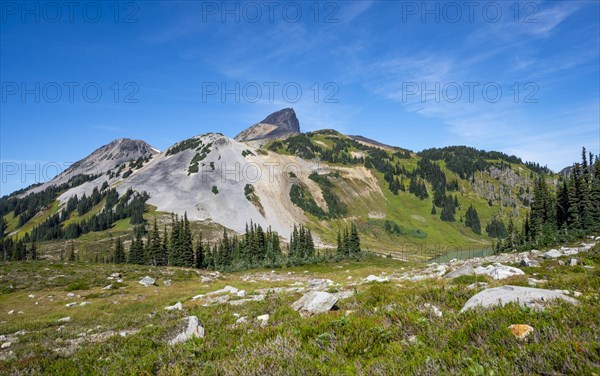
[154, 245]
[472, 220]
[187, 244]
[200, 259]
[119, 254]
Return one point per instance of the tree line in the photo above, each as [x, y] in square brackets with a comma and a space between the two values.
[558, 214]
[255, 248]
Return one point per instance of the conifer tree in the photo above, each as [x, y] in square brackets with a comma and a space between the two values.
[199, 259]
[562, 204]
[595, 194]
[187, 244]
[448, 210]
[354, 242]
[136, 250]
[164, 247]
[472, 220]
[154, 245]
[33, 251]
[3, 226]
[340, 246]
[119, 254]
[72, 257]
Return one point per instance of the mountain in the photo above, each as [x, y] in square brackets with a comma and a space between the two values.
[103, 159]
[277, 125]
[323, 179]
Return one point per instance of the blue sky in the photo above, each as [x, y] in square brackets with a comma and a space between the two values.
[369, 61]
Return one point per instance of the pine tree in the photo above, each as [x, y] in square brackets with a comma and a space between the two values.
[562, 204]
[154, 245]
[346, 242]
[472, 220]
[448, 210]
[136, 250]
[72, 257]
[187, 244]
[433, 211]
[33, 251]
[574, 218]
[164, 247]
[208, 258]
[340, 247]
[176, 242]
[3, 226]
[354, 242]
[586, 205]
[496, 229]
[595, 194]
[119, 254]
[199, 259]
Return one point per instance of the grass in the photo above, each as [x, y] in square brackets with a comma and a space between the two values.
[384, 329]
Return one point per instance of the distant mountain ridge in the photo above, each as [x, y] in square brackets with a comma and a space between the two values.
[273, 175]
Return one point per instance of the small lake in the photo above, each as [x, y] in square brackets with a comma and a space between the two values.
[462, 255]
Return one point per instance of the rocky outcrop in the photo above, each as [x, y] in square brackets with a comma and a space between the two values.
[192, 329]
[524, 296]
[279, 124]
[498, 271]
[315, 302]
[147, 281]
[466, 269]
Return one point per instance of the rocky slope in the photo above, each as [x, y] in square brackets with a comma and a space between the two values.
[102, 160]
[277, 125]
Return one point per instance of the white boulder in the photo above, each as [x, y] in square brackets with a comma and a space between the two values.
[193, 329]
[524, 296]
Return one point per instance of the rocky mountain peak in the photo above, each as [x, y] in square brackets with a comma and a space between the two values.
[279, 124]
[284, 119]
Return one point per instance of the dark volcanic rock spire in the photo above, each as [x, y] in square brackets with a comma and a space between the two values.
[278, 124]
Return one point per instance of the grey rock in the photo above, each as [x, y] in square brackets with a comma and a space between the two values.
[254, 298]
[466, 269]
[553, 253]
[177, 306]
[373, 278]
[525, 296]
[167, 282]
[534, 282]
[532, 263]
[315, 302]
[319, 284]
[192, 329]
[264, 319]
[435, 310]
[573, 262]
[71, 304]
[477, 285]
[498, 271]
[147, 281]
[225, 290]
